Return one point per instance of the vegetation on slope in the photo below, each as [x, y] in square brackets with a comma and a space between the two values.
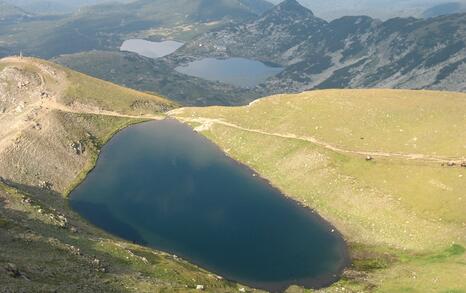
[384, 166]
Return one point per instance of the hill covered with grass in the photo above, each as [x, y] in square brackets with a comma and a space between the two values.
[386, 167]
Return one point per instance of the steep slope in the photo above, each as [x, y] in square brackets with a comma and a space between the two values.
[386, 167]
[349, 52]
[33, 96]
[54, 122]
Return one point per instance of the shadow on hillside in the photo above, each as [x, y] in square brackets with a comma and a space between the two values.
[53, 257]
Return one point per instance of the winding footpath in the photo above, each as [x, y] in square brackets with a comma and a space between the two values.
[207, 123]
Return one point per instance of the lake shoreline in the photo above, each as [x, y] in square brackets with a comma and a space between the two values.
[314, 283]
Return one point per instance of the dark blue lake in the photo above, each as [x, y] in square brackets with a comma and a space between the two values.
[240, 72]
[162, 185]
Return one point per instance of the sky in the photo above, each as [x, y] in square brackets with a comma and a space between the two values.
[327, 9]
[383, 9]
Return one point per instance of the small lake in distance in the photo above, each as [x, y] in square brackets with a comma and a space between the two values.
[150, 49]
[239, 72]
[162, 185]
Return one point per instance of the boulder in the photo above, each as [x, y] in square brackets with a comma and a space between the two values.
[78, 147]
[12, 270]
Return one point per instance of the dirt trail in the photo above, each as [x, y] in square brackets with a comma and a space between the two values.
[14, 123]
[82, 109]
[38, 101]
[206, 123]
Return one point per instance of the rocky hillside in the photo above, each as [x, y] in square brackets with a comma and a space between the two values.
[40, 128]
[349, 52]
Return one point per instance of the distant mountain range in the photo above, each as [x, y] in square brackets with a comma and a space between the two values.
[11, 12]
[382, 9]
[56, 6]
[105, 26]
[445, 9]
[349, 52]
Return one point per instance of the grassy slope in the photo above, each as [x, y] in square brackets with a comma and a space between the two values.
[75, 256]
[405, 220]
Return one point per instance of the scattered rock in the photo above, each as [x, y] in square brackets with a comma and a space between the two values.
[26, 200]
[45, 185]
[73, 230]
[451, 164]
[62, 221]
[78, 147]
[13, 271]
[96, 262]
[21, 84]
[37, 126]
[463, 164]
[369, 158]
[74, 250]
[242, 289]
[200, 287]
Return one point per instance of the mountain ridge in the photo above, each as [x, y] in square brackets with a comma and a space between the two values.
[353, 51]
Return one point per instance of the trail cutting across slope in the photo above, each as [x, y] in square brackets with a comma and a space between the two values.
[206, 124]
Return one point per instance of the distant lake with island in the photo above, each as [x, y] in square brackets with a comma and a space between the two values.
[162, 185]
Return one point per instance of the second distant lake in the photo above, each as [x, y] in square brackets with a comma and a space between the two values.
[235, 71]
[150, 49]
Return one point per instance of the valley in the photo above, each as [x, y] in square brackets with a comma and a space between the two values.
[232, 146]
[349, 52]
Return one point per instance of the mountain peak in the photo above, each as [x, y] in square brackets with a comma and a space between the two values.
[291, 8]
[292, 5]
